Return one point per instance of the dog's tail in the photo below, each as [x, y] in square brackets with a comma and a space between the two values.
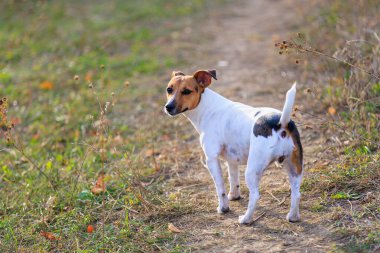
[288, 106]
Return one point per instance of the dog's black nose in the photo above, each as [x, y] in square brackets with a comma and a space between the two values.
[169, 107]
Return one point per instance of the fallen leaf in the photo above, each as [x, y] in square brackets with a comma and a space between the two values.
[36, 136]
[332, 111]
[308, 127]
[49, 236]
[173, 228]
[118, 140]
[165, 137]
[46, 85]
[149, 152]
[15, 121]
[90, 228]
[88, 76]
[99, 186]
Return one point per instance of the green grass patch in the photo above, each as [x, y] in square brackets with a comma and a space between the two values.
[65, 133]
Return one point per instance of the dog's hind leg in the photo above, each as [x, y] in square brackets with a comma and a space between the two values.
[253, 175]
[295, 178]
[233, 177]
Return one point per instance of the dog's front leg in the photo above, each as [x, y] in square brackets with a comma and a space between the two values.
[213, 166]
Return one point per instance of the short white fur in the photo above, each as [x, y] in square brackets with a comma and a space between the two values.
[226, 130]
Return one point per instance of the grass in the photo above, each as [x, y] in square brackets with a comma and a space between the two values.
[339, 50]
[62, 63]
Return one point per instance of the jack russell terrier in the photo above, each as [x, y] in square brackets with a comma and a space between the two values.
[240, 134]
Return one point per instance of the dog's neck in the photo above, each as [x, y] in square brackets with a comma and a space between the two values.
[210, 102]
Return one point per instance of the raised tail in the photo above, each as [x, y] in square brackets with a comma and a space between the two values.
[288, 106]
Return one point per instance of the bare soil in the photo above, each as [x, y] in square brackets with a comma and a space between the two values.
[238, 41]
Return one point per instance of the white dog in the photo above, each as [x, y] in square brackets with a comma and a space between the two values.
[241, 135]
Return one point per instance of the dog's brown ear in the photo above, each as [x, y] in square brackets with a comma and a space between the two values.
[203, 77]
[177, 73]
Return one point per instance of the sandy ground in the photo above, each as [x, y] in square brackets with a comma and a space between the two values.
[240, 45]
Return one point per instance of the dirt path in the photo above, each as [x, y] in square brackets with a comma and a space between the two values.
[250, 71]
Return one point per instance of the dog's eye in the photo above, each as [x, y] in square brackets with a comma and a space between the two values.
[169, 90]
[186, 92]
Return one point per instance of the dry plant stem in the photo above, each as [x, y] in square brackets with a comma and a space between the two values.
[313, 51]
[271, 194]
[20, 149]
[103, 218]
[256, 219]
[341, 126]
[154, 159]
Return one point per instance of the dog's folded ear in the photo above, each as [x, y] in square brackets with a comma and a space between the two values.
[177, 73]
[203, 77]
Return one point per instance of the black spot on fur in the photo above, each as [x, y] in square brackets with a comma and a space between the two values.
[292, 126]
[257, 113]
[237, 186]
[266, 123]
[223, 194]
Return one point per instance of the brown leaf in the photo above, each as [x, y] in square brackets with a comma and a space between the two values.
[99, 186]
[308, 127]
[46, 85]
[88, 76]
[118, 140]
[165, 137]
[149, 152]
[173, 228]
[15, 121]
[332, 111]
[49, 236]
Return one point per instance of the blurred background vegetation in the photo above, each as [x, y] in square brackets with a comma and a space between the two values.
[63, 62]
[60, 63]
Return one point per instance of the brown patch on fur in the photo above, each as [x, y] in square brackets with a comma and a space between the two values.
[203, 77]
[196, 84]
[297, 154]
[297, 160]
[184, 102]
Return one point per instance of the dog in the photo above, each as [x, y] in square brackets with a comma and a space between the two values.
[242, 135]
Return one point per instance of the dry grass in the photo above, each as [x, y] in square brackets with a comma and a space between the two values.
[339, 53]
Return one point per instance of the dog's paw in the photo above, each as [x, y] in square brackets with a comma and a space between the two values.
[222, 210]
[233, 197]
[293, 217]
[244, 220]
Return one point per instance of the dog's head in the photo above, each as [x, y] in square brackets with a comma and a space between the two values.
[184, 91]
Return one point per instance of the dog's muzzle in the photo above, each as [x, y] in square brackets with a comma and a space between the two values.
[171, 109]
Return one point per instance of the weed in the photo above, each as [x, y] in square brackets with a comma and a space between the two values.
[341, 50]
[71, 127]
